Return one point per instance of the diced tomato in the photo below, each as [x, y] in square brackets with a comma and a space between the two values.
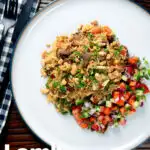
[114, 108]
[122, 122]
[96, 30]
[130, 70]
[108, 118]
[100, 86]
[120, 103]
[132, 111]
[102, 108]
[92, 119]
[132, 100]
[127, 95]
[100, 118]
[95, 127]
[142, 85]
[107, 111]
[133, 60]
[122, 110]
[105, 122]
[107, 30]
[84, 125]
[116, 94]
[124, 52]
[52, 76]
[132, 83]
[122, 86]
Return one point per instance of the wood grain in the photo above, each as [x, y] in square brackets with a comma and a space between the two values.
[16, 132]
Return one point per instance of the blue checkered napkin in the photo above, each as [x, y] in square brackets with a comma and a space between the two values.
[4, 62]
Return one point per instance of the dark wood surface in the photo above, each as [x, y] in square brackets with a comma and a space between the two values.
[16, 132]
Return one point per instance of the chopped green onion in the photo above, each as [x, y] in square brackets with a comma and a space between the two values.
[90, 36]
[81, 85]
[62, 88]
[124, 78]
[79, 102]
[127, 107]
[136, 104]
[86, 48]
[139, 92]
[108, 104]
[56, 84]
[97, 108]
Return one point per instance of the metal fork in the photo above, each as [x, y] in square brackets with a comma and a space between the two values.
[9, 18]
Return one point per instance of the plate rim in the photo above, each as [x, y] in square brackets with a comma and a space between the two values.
[50, 144]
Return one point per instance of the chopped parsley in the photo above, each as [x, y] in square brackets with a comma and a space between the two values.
[90, 36]
[81, 84]
[117, 51]
[86, 48]
[56, 84]
[62, 88]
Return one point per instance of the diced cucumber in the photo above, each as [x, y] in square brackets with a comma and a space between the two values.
[97, 108]
[136, 104]
[85, 115]
[124, 78]
[139, 92]
[127, 107]
[79, 102]
[108, 104]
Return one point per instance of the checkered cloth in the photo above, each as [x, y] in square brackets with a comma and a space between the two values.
[5, 57]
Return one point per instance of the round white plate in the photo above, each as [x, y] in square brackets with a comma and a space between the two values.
[132, 26]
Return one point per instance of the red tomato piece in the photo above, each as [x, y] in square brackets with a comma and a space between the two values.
[120, 103]
[107, 111]
[124, 52]
[132, 83]
[127, 95]
[116, 94]
[92, 119]
[132, 100]
[84, 125]
[144, 86]
[130, 70]
[122, 86]
[133, 60]
[95, 127]
[122, 110]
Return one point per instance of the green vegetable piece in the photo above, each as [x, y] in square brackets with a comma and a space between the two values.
[148, 72]
[62, 88]
[55, 84]
[81, 85]
[97, 108]
[79, 102]
[90, 36]
[86, 48]
[77, 53]
[85, 115]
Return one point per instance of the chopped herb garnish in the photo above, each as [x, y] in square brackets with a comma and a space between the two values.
[77, 53]
[86, 48]
[90, 36]
[85, 115]
[117, 51]
[56, 84]
[81, 85]
[105, 49]
[79, 102]
[62, 88]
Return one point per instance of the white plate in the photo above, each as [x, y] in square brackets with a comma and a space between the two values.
[131, 24]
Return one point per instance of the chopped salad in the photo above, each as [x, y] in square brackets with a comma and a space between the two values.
[91, 76]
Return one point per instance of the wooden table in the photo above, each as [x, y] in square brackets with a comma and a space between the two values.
[16, 132]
